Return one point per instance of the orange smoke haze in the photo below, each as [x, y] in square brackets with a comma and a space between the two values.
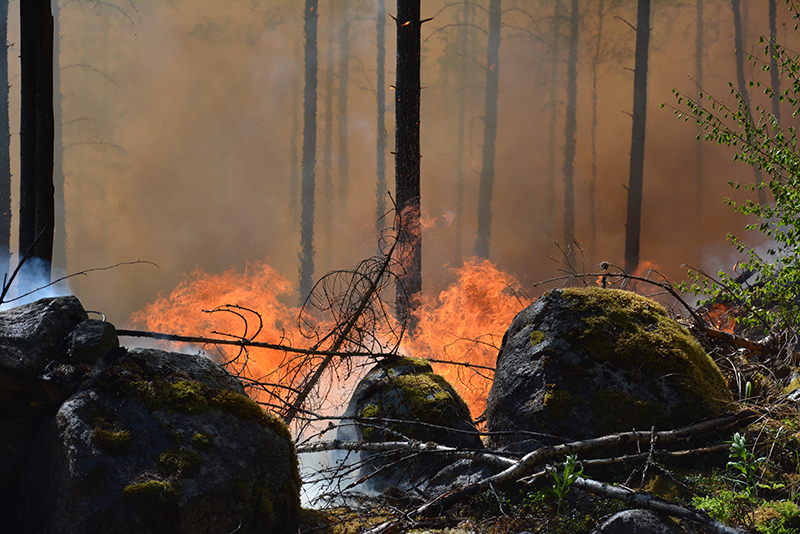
[181, 128]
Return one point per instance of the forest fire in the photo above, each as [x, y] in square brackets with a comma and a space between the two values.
[721, 316]
[465, 324]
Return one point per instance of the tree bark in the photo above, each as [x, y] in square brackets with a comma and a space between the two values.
[635, 185]
[344, 82]
[5, 150]
[593, 181]
[326, 206]
[742, 83]
[570, 134]
[381, 143]
[463, 42]
[774, 74]
[307, 201]
[551, 145]
[36, 132]
[483, 240]
[59, 208]
[407, 158]
[699, 53]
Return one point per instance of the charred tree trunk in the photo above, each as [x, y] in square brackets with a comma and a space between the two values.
[570, 134]
[774, 74]
[36, 132]
[5, 150]
[60, 228]
[309, 151]
[551, 147]
[742, 83]
[294, 167]
[380, 147]
[593, 181]
[344, 82]
[463, 41]
[483, 240]
[699, 52]
[633, 224]
[407, 158]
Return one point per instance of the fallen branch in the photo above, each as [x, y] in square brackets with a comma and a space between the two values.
[650, 502]
[526, 465]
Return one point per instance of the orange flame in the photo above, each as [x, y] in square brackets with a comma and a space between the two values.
[721, 317]
[257, 288]
[466, 324]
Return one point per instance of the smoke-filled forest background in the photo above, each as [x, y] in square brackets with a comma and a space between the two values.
[181, 125]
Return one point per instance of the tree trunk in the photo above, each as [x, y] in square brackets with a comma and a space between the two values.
[326, 206]
[294, 168]
[36, 132]
[699, 53]
[5, 151]
[593, 181]
[344, 82]
[483, 240]
[60, 224]
[463, 42]
[634, 216]
[742, 83]
[551, 145]
[407, 158]
[570, 133]
[775, 75]
[309, 152]
[380, 146]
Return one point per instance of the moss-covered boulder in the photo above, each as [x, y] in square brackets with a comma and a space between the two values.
[401, 399]
[160, 442]
[584, 362]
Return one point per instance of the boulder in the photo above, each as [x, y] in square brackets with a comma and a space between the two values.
[160, 442]
[418, 405]
[584, 362]
[97, 438]
[635, 522]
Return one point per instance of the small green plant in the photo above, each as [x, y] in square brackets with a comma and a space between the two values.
[563, 481]
[744, 464]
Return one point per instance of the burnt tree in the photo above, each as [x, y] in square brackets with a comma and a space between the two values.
[380, 140]
[570, 133]
[407, 158]
[633, 223]
[36, 209]
[483, 239]
[341, 115]
[307, 188]
[5, 150]
[551, 144]
[596, 60]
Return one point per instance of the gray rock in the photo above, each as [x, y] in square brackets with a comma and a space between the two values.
[584, 362]
[160, 442]
[91, 341]
[422, 407]
[635, 522]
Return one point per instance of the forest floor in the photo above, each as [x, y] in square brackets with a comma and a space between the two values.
[748, 479]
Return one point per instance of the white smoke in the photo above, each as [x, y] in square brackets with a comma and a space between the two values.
[32, 283]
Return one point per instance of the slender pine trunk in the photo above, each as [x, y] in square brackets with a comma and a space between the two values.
[742, 83]
[326, 205]
[633, 225]
[344, 82]
[483, 239]
[381, 142]
[407, 159]
[36, 133]
[463, 42]
[570, 134]
[593, 181]
[5, 150]
[309, 151]
[60, 230]
[551, 143]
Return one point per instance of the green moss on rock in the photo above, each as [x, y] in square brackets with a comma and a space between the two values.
[111, 441]
[246, 408]
[153, 494]
[179, 463]
[537, 336]
[617, 411]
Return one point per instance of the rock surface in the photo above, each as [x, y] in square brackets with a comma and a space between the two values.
[635, 522]
[584, 362]
[421, 406]
[97, 438]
